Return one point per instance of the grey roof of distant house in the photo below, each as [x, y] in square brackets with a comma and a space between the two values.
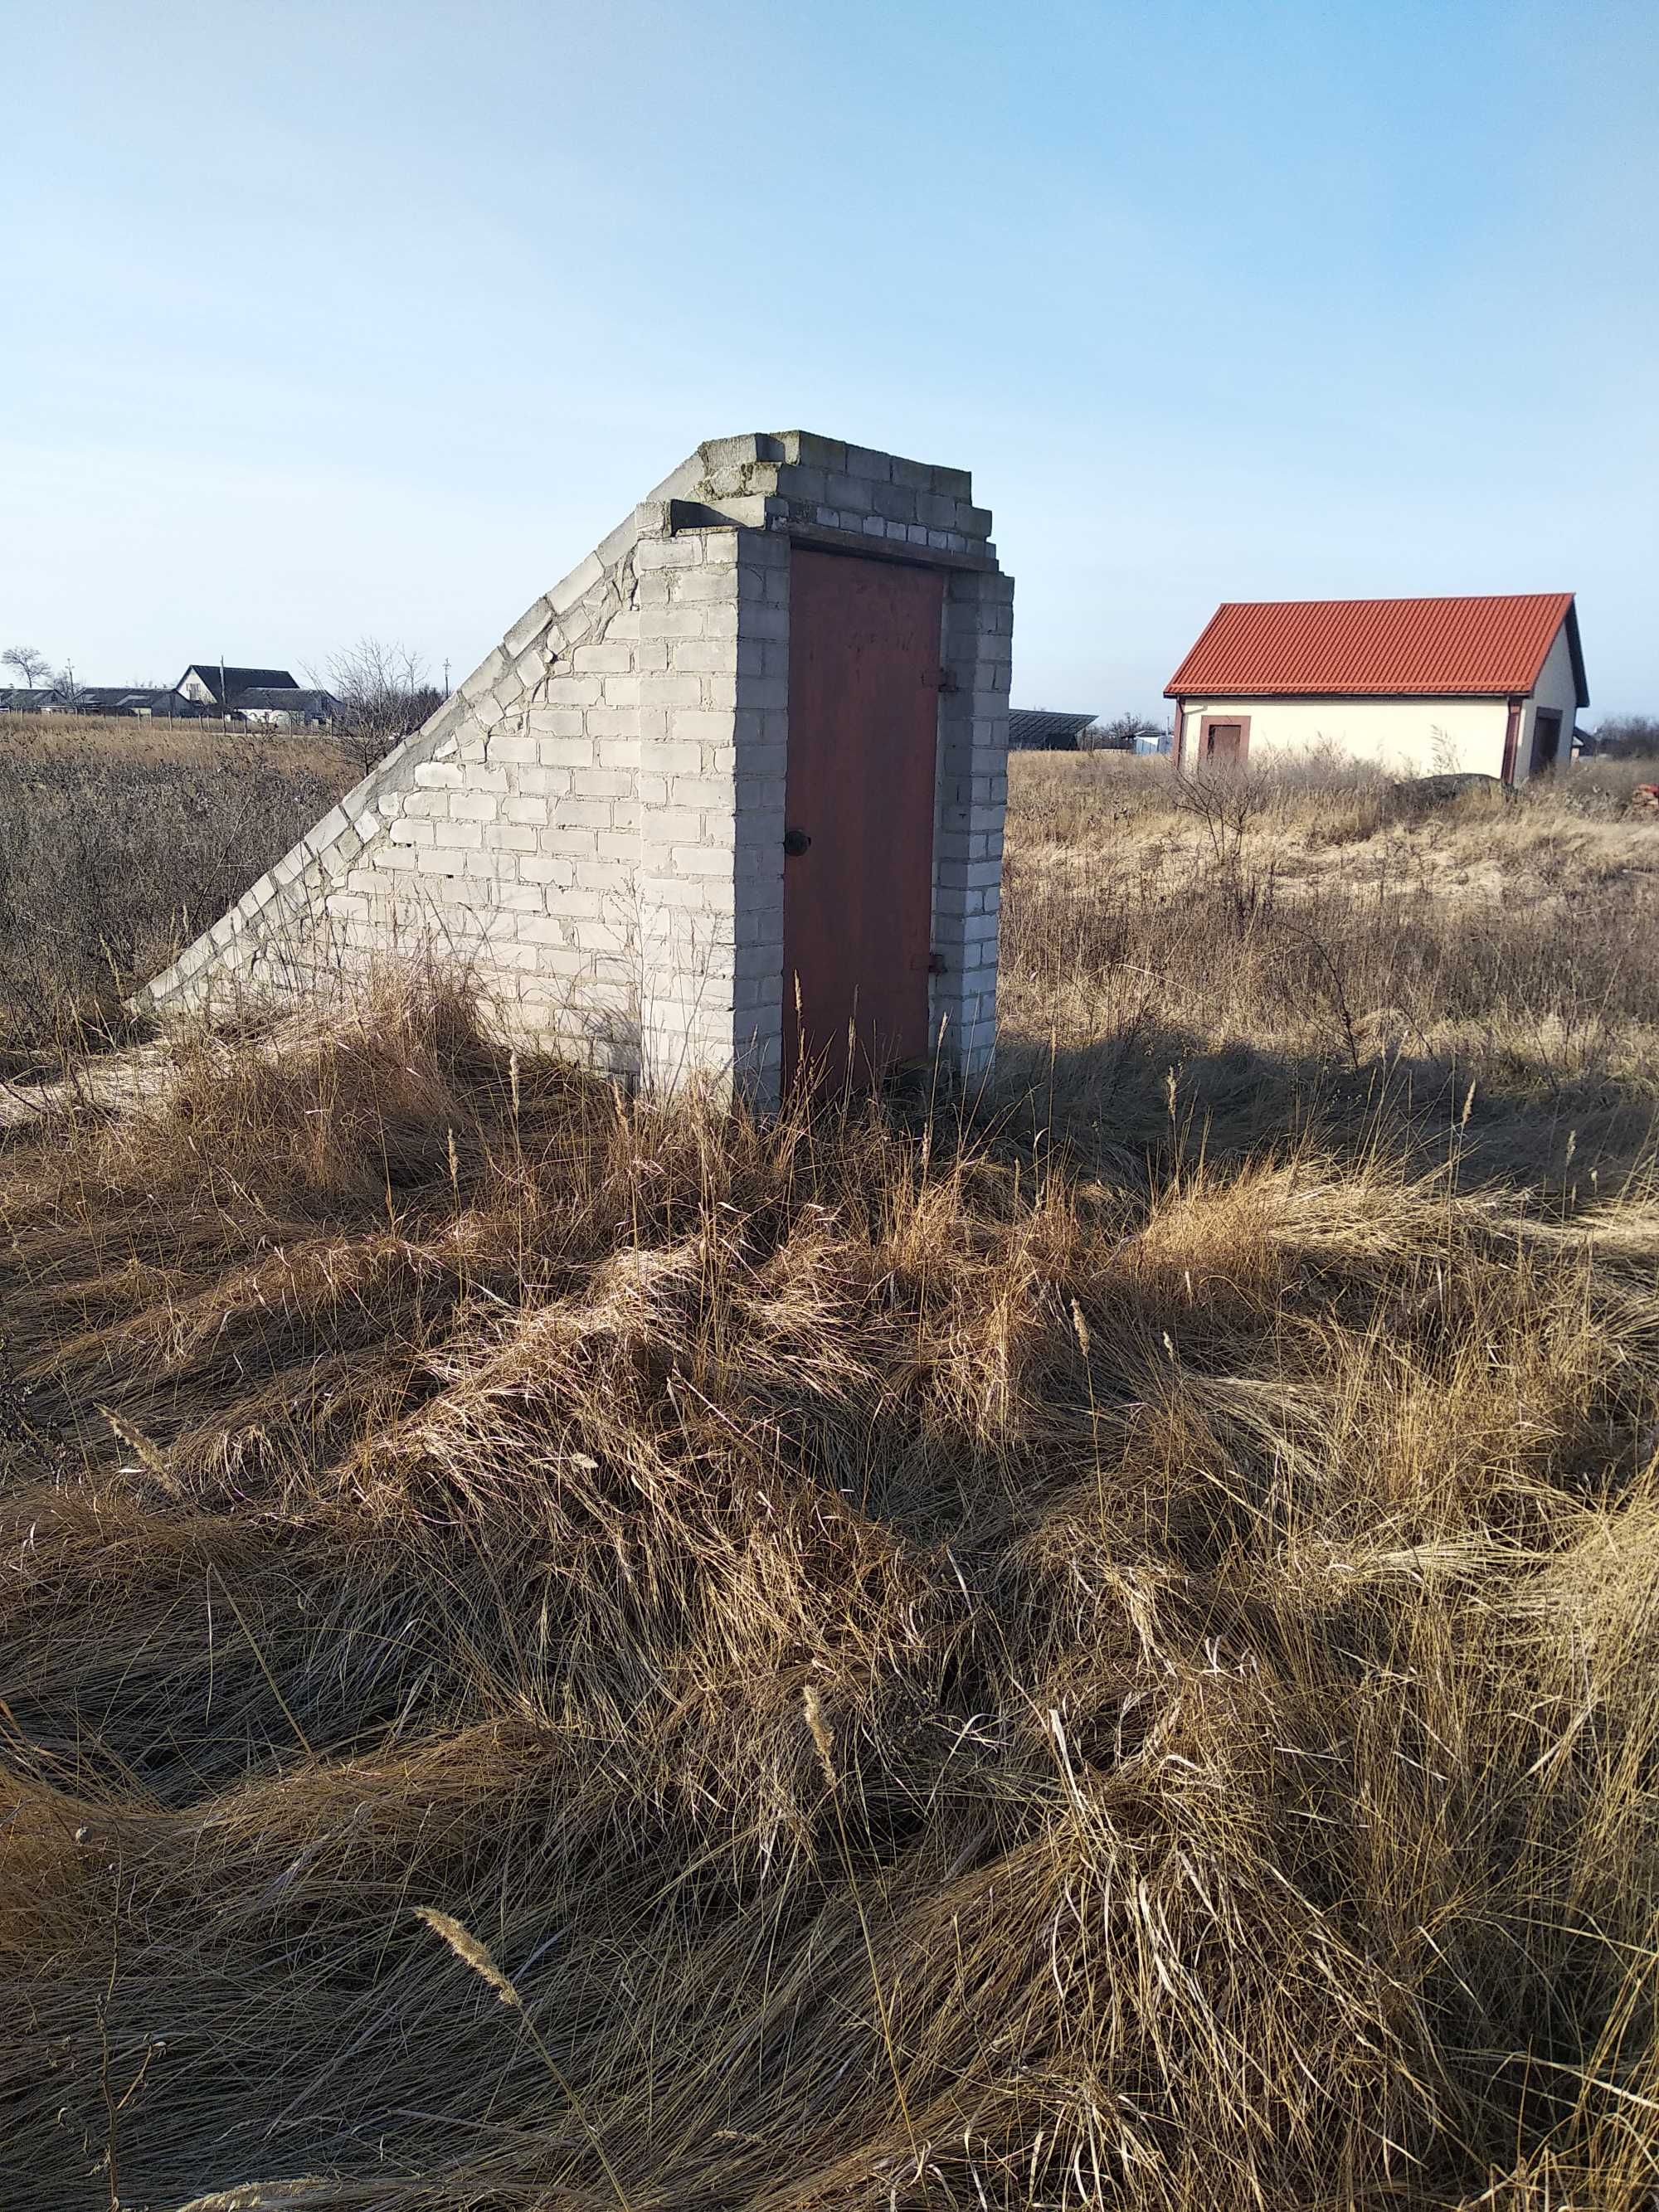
[115, 697]
[291, 699]
[240, 679]
[1035, 727]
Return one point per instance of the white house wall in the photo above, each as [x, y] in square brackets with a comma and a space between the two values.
[1409, 737]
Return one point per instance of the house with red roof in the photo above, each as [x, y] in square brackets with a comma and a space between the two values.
[1488, 685]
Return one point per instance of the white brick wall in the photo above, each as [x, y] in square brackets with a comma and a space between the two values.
[593, 823]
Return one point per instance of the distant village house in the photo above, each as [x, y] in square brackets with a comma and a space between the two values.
[266, 697]
[269, 696]
[1486, 686]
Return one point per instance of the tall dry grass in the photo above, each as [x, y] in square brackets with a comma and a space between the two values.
[119, 842]
[1308, 952]
[559, 1652]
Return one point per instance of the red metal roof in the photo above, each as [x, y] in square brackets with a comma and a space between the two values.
[1333, 648]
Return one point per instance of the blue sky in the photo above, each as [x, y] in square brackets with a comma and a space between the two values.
[327, 320]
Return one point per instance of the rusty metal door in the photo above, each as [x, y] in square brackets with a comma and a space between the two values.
[864, 686]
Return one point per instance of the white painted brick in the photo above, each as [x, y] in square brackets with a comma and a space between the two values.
[677, 690]
[670, 825]
[613, 722]
[566, 752]
[671, 756]
[684, 551]
[681, 621]
[700, 585]
[473, 806]
[614, 656]
[510, 746]
[689, 723]
[560, 873]
[699, 792]
[566, 593]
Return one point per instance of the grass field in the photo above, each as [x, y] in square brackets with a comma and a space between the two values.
[1098, 1649]
[119, 840]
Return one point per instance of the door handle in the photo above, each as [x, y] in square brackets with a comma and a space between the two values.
[795, 842]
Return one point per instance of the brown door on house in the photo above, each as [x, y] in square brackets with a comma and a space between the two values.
[1223, 743]
[858, 871]
[1546, 741]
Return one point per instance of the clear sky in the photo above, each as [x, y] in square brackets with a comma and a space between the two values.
[322, 320]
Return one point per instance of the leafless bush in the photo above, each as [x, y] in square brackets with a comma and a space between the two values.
[384, 697]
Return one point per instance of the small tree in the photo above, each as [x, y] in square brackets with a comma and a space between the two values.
[1122, 734]
[30, 665]
[385, 695]
[69, 689]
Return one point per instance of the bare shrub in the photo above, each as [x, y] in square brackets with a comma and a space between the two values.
[384, 697]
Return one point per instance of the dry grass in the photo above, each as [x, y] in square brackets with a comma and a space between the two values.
[1309, 951]
[119, 741]
[119, 842]
[1103, 1651]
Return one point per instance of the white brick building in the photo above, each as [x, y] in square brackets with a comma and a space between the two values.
[594, 823]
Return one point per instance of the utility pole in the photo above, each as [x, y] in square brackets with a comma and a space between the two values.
[446, 676]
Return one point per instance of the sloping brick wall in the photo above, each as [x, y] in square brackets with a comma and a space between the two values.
[592, 825]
